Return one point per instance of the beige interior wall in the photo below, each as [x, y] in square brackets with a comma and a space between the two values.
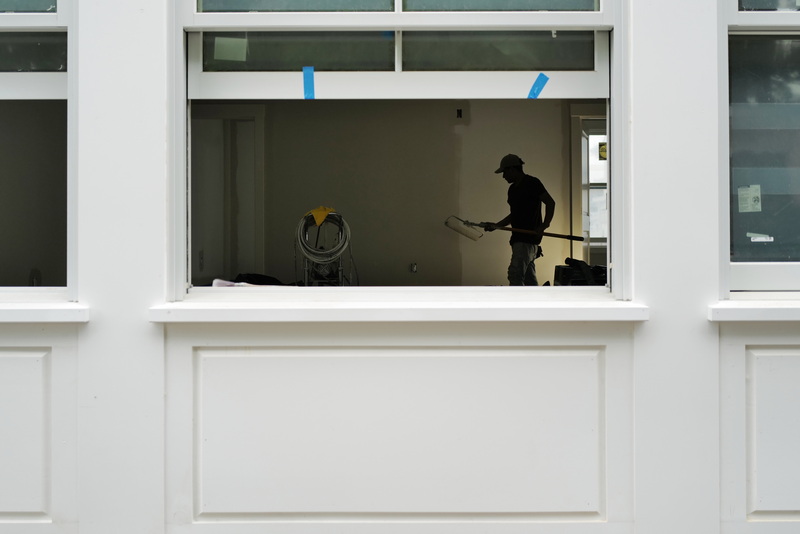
[536, 131]
[396, 170]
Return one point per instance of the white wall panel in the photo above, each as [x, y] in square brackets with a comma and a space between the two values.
[287, 428]
[24, 427]
[397, 431]
[773, 431]
[760, 429]
[38, 421]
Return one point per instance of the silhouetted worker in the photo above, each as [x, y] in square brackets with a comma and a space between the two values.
[526, 194]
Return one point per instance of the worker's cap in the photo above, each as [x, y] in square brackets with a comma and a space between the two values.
[508, 161]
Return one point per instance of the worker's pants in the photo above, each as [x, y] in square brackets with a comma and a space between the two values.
[521, 270]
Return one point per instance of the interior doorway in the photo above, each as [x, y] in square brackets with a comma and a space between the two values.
[590, 184]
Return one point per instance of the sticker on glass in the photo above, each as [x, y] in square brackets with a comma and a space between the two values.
[760, 238]
[230, 49]
[749, 198]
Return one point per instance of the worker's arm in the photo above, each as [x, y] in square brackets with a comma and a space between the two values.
[504, 222]
[549, 210]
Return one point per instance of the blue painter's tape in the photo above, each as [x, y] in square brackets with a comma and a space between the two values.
[308, 83]
[538, 85]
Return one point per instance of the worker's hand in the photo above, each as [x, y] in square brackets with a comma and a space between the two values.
[540, 229]
[489, 227]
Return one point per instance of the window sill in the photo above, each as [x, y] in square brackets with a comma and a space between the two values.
[43, 312]
[283, 305]
[755, 311]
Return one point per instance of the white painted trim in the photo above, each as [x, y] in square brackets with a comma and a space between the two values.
[394, 85]
[72, 158]
[397, 304]
[33, 85]
[723, 152]
[778, 276]
[43, 312]
[178, 216]
[764, 21]
[755, 311]
[620, 186]
[31, 22]
[335, 311]
[390, 20]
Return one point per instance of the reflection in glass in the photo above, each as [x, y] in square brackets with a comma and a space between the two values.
[598, 213]
[598, 159]
[33, 193]
[496, 51]
[768, 5]
[27, 6]
[231, 6]
[501, 5]
[291, 51]
[33, 52]
[765, 134]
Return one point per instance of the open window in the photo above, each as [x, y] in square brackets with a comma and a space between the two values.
[394, 131]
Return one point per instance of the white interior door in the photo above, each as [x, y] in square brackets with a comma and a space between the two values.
[227, 182]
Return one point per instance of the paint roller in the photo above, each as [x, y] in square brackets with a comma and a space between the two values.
[470, 229]
[463, 228]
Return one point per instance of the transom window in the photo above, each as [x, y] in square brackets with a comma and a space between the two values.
[28, 6]
[769, 5]
[421, 51]
[33, 52]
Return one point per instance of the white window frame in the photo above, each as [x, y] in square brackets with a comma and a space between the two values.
[47, 304]
[744, 277]
[400, 303]
[391, 85]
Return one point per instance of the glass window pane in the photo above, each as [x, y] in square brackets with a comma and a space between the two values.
[598, 213]
[765, 134]
[33, 52]
[231, 6]
[33, 193]
[501, 5]
[291, 51]
[27, 6]
[598, 160]
[768, 5]
[496, 51]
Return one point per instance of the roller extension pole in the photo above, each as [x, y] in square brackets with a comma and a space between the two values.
[546, 234]
[486, 225]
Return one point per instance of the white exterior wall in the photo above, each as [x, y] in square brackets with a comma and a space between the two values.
[431, 414]
[675, 173]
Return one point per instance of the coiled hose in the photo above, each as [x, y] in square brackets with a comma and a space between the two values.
[323, 256]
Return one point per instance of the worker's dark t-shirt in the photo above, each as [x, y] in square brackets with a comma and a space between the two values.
[525, 201]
